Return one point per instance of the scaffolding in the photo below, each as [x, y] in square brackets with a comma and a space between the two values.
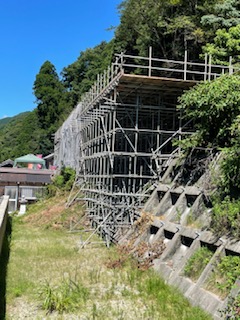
[119, 137]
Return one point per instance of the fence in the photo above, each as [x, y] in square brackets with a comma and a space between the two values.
[3, 218]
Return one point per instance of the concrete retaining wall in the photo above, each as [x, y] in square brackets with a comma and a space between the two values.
[3, 218]
[180, 220]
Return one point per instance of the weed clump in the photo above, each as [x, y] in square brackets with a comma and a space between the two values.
[65, 297]
[197, 263]
[225, 274]
[232, 310]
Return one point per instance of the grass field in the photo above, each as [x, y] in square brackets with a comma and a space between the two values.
[50, 277]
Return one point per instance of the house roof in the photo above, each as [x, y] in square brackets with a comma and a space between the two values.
[7, 163]
[29, 158]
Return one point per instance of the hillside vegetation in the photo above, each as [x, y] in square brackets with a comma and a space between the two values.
[170, 27]
[4, 121]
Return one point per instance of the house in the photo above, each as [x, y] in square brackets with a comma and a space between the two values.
[27, 179]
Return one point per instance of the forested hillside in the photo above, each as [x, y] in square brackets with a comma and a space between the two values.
[170, 27]
[4, 121]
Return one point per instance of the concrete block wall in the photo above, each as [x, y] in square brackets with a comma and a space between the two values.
[180, 219]
[3, 218]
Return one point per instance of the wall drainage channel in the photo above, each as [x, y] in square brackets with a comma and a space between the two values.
[174, 197]
[168, 235]
[232, 253]
[153, 230]
[209, 246]
[190, 199]
[186, 241]
[160, 195]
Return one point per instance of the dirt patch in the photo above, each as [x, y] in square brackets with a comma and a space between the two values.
[54, 214]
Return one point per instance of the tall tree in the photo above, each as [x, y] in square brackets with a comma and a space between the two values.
[49, 91]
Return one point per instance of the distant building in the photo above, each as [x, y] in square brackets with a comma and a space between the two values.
[49, 159]
[7, 163]
[26, 177]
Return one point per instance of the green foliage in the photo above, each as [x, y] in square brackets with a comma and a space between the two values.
[81, 74]
[65, 297]
[232, 310]
[230, 164]
[197, 263]
[62, 182]
[49, 91]
[226, 43]
[222, 30]
[229, 181]
[226, 218]
[213, 108]
[169, 27]
[23, 133]
[226, 272]
[225, 15]
[4, 121]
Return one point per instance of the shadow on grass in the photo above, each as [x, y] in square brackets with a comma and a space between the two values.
[4, 257]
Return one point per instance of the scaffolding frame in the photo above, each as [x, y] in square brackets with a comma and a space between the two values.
[119, 137]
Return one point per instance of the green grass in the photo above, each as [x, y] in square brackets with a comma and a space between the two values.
[197, 263]
[224, 276]
[52, 278]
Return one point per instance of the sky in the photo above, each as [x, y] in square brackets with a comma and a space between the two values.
[33, 31]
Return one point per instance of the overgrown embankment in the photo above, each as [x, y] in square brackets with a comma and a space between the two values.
[49, 277]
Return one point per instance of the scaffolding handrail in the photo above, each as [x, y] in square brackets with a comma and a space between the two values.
[177, 69]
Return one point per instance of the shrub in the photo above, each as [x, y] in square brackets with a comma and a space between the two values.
[62, 182]
[226, 272]
[226, 218]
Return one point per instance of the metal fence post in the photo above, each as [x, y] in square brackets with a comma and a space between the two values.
[185, 66]
[150, 62]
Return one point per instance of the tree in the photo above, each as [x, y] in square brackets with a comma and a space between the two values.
[81, 74]
[169, 27]
[225, 14]
[213, 108]
[226, 44]
[224, 32]
[49, 91]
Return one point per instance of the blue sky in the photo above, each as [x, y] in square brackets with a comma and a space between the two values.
[33, 31]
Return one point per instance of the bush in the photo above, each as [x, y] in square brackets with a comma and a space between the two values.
[226, 218]
[213, 107]
[62, 182]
